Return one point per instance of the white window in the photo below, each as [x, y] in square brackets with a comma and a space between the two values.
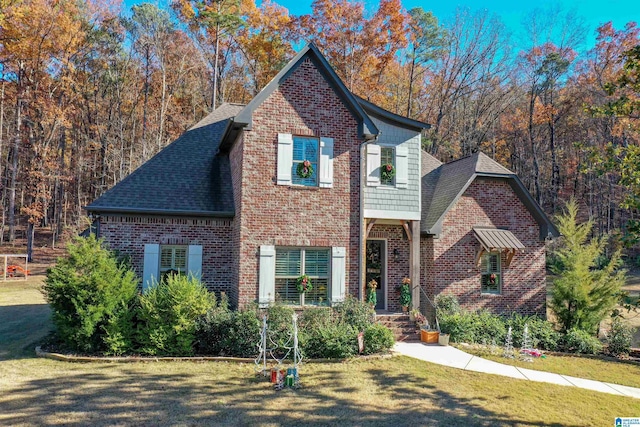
[293, 154]
[305, 149]
[173, 260]
[293, 263]
[491, 273]
[387, 158]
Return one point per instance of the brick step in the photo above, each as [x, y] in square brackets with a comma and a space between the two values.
[408, 338]
[393, 318]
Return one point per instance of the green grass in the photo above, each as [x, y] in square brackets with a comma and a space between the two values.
[25, 317]
[396, 391]
[594, 369]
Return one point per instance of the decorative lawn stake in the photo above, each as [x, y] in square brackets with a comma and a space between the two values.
[508, 345]
[279, 376]
[525, 351]
[262, 349]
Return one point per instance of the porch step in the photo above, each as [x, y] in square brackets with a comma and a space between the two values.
[402, 327]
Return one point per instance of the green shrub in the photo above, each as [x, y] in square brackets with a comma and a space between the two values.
[280, 331]
[579, 341]
[459, 326]
[542, 333]
[91, 294]
[335, 340]
[619, 338]
[488, 327]
[377, 338]
[168, 315]
[315, 317]
[447, 305]
[211, 329]
[243, 334]
[357, 314]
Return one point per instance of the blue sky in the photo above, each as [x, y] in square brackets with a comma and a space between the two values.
[512, 13]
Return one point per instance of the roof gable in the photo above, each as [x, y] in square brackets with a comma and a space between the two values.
[366, 128]
[442, 186]
[188, 177]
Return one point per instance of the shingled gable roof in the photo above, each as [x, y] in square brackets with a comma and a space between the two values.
[366, 128]
[444, 184]
[188, 177]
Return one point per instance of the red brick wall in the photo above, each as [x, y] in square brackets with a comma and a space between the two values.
[280, 215]
[396, 270]
[488, 202]
[129, 234]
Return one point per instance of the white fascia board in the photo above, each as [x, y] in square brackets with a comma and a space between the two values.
[381, 214]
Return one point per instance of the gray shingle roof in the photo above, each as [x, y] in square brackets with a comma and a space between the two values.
[443, 185]
[188, 177]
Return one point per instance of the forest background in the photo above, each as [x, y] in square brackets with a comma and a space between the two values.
[91, 90]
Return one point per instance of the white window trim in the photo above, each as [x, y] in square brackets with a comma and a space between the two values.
[173, 256]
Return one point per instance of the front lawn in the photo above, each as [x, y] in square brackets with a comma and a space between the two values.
[396, 391]
[584, 367]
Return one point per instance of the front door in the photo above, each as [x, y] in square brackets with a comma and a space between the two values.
[376, 265]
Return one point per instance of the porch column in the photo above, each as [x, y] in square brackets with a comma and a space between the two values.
[414, 263]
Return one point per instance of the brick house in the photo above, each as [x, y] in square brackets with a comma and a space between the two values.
[227, 203]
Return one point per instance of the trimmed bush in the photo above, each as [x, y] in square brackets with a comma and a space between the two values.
[541, 332]
[91, 294]
[579, 341]
[447, 305]
[335, 340]
[280, 327]
[377, 338]
[459, 326]
[168, 315]
[355, 313]
[619, 338]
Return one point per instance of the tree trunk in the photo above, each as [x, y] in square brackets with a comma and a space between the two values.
[413, 66]
[215, 68]
[532, 142]
[13, 163]
[30, 235]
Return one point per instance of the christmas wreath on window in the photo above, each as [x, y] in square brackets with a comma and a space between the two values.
[305, 169]
[492, 279]
[387, 172]
[303, 283]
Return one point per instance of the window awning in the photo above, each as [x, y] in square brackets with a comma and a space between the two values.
[497, 240]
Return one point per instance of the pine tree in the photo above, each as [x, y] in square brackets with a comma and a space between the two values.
[583, 294]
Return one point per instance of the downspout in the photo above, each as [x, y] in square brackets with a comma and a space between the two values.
[362, 243]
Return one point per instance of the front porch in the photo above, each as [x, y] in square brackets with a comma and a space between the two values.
[391, 254]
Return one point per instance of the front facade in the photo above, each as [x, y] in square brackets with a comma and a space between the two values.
[308, 179]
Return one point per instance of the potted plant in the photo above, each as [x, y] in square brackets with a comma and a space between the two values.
[412, 315]
[421, 321]
[405, 294]
[303, 283]
[372, 298]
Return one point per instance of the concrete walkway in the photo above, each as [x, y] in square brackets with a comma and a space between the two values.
[455, 358]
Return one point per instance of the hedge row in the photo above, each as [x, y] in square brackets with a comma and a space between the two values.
[97, 309]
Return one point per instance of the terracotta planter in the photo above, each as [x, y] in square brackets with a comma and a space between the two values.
[430, 337]
[405, 308]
